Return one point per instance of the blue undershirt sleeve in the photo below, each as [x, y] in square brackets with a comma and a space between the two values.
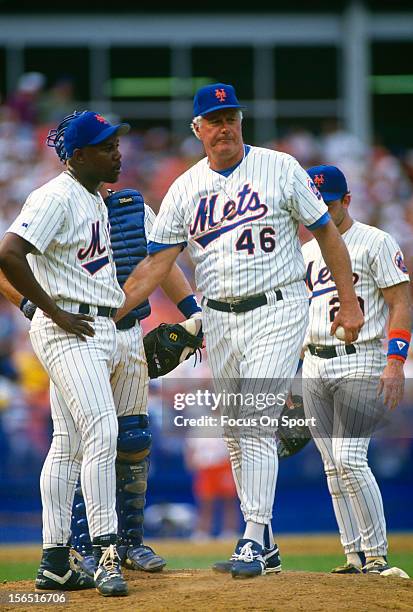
[323, 220]
[154, 247]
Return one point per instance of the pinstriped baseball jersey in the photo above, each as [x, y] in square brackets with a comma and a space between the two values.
[149, 219]
[68, 225]
[241, 230]
[377, 263]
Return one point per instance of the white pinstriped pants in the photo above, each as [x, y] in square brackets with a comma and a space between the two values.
[336, 392]
[256, 350]
[91, 382]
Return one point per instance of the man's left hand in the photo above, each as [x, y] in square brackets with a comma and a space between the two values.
[391, 383]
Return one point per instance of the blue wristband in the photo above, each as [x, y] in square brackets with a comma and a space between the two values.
[23, 303]
[300, 365]
[189, 306]
[398, 347]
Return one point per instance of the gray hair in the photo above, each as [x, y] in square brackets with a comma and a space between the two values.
[196, 121]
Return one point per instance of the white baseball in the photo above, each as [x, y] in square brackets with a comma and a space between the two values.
[340, 333]
[192, 326]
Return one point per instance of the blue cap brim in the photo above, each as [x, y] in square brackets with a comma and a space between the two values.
[120, 130]
[328, 196]
[220, 107]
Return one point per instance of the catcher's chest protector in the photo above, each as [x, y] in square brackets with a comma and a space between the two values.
[126, 211]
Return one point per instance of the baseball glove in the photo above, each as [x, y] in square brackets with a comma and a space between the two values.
[292, 436]
[164, 346]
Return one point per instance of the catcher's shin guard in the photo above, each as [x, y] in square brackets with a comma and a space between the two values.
[80, 530]
[132, 466]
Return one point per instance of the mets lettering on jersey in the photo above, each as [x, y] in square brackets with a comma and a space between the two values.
[242, 230]
[206, 228]
[93, 265]
[322, 277]
[377, 263]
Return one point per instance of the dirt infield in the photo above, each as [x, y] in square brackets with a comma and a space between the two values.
[199, 590]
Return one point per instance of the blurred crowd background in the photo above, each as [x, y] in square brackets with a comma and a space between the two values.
[181, 499]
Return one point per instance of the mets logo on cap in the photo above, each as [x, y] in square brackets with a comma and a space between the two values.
[221, 94]
[101, 119]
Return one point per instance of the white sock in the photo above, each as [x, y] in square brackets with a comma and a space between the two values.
[354, 559]
[254, 531]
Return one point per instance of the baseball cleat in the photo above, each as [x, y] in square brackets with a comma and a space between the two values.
[142, 558]
[72, 580]
[56, 572]
[108, 576]
[348, 568]
[225, 567]
[271, 557]
[249, 560]
[376, 567]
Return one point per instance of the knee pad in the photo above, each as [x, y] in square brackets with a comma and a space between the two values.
[134, 438]
[79, 526]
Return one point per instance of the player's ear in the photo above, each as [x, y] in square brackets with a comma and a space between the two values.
[78, 156]
[195, 128]
[346, 200]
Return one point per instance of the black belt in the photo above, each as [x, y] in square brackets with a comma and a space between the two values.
[238, 306]
[328, 352]
[102, 311]
[127, 322]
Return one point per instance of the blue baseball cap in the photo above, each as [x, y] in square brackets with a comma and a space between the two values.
[330, 182]
[89, 128]
[214, 97]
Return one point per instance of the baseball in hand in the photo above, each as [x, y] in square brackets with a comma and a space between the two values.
[192, 326]
[340, 333]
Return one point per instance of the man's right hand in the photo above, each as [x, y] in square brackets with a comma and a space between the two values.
[74, 323]
[351, 318]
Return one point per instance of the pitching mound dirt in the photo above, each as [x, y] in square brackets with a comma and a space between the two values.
[203, 590]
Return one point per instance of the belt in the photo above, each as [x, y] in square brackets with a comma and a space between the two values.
[238, 306]
[102, 311]
[127, 322]
[328, 352]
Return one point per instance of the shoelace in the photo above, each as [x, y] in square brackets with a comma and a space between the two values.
[74, 558]
[110, 559]
[246, 553]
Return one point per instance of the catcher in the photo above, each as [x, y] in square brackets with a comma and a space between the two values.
[138, 359]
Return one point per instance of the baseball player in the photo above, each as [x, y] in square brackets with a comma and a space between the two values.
[130, 220]
[237, 211]
[341, 379]
[57, 253]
